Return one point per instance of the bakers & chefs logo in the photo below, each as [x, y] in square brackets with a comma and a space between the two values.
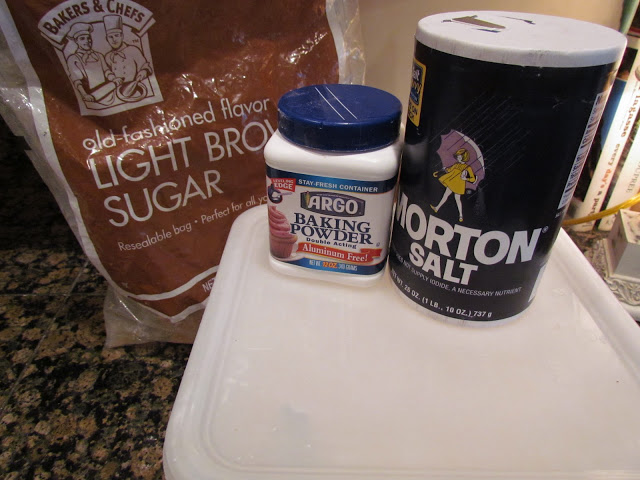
[104, 49]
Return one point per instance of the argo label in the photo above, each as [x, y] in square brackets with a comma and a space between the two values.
[326, 223]
[491, 157]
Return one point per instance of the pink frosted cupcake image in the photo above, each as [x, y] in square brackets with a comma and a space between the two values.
[281, 240]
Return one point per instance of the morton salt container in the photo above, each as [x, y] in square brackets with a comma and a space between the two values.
[502, 111]
[332, 168]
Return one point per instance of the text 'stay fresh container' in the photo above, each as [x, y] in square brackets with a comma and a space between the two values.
[502, 111]
[331, 175]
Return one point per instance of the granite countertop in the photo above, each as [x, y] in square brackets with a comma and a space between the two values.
[69, 407]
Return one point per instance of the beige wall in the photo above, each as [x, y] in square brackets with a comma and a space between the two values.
[388, 27]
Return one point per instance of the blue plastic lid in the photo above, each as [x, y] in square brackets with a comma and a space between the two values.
[339, 117]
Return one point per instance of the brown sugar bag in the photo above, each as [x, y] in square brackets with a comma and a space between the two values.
[147, 120]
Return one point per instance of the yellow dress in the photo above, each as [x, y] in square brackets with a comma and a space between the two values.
[453, 178]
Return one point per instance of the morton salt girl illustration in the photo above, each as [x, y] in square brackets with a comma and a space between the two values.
[331, 174]
[502, 111]
[455, 179]
[458, 173]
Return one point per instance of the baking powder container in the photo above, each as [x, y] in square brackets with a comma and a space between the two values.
[503, 108]
[332, 169]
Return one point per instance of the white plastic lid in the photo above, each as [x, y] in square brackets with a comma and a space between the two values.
[294, 379]
[521, 39]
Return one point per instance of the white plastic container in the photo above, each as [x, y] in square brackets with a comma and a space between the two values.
[295, 379]
[331, 174]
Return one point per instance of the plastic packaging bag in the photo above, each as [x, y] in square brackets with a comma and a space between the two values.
[147, 122]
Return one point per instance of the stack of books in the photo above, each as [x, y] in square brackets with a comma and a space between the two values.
[611, 174]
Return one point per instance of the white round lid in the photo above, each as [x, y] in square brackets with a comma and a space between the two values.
[521, 39]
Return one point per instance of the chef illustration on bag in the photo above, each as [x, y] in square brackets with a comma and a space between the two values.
[107, 57]
[88, 70]
[127, 62]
